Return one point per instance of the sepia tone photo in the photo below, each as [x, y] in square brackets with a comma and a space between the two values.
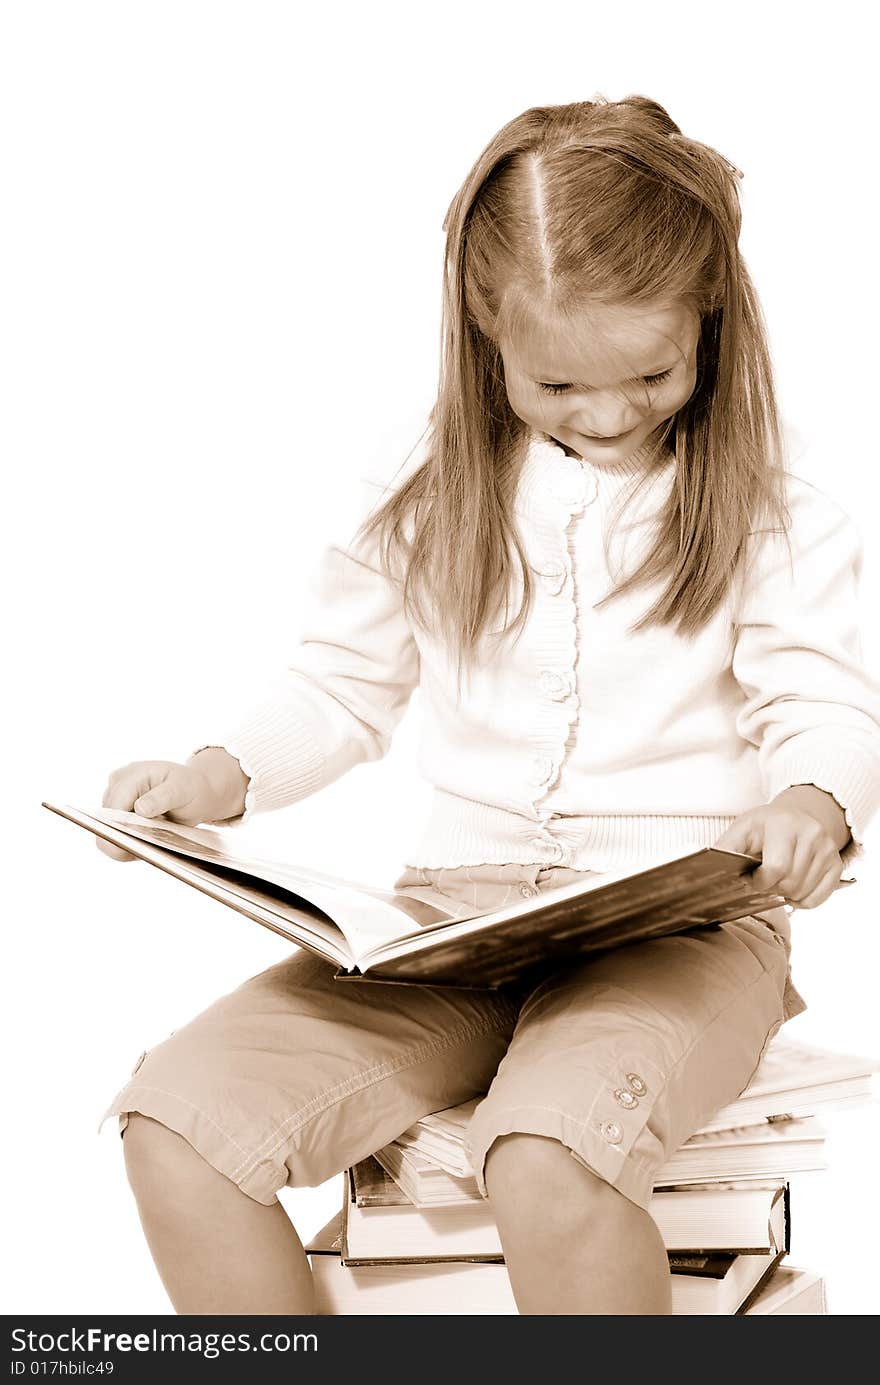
[448, 540]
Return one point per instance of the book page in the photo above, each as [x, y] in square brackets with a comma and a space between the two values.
[366, 917]
[768, 1133]
[212, 844]
[369, 922]
[789, 1065]
[292, 917]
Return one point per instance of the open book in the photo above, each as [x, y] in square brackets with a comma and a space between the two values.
[378, 935]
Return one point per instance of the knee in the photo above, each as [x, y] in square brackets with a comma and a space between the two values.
[534, 1176]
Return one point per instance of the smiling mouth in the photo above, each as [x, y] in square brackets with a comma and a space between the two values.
[606, 437]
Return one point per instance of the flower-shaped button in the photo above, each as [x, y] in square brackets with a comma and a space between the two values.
[552, 573]
[611, 1131]
[527, 891]
[572, 484]
[555, 683]
[547, 850]
[542, 769]
[636, 1083]
[625, 1098]
[569, 490]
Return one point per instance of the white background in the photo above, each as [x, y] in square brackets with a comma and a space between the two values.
[221, 264]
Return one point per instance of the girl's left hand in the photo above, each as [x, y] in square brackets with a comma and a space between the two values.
[799, 859]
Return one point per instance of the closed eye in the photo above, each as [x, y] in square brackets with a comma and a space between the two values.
[649, 380]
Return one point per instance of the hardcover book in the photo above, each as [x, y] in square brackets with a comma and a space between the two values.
[733, 1219]
[431, 1155]
[789, 1292]
[701, 1284]
[386, 936]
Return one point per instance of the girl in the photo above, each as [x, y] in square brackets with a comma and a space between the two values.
[634, 633]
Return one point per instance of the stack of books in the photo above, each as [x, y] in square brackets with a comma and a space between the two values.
[414, 1236]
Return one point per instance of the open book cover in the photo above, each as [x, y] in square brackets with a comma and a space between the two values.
[387, 936]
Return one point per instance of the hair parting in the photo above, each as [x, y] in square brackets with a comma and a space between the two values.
[592, 202]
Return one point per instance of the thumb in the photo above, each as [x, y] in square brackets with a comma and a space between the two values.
[162, 798]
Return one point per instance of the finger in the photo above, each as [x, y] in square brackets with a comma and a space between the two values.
[122, 789]
[114, 852]
[777, 857]
[826, 887]
[814, 855]
[743, 836]
[126, 785]
[171, 795]
[825, 863]
[803, 883]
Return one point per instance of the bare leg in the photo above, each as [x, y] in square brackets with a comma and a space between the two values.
[216, 1250]
[573, 1244]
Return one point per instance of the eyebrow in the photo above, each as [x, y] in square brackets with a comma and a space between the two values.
[632, 380]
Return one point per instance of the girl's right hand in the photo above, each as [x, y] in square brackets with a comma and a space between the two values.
[153, 788]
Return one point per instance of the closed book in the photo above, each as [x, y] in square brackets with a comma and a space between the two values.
[789, 1292]
[771, 1149]
[740, 1219]
[798, 1079]
[421, 1181]
[396, 1231]
[721, 1285]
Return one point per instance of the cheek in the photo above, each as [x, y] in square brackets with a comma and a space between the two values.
[682, 392]
[525, 403]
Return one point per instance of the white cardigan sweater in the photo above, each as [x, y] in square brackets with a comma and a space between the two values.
[584, 744]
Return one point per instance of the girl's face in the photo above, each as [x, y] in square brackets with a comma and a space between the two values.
[602, 386]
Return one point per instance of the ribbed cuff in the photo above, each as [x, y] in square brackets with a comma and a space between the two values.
[842, 763]
[280, 757]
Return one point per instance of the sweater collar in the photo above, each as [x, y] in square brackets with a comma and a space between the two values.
[609, 477]
[549, 475]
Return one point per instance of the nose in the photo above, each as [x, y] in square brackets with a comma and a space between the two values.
[609, 419]
[608, 428]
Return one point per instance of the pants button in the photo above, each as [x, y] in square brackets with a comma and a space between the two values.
[611, 1131]
[625, 1098]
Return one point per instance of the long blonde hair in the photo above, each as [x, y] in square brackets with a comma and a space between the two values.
[629, 211]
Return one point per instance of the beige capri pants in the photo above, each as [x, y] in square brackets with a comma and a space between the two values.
[295, 1076]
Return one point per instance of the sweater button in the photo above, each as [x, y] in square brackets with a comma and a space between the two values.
[548, 851]
[572, 484]
[542, 769]
[553, 574]
[554, 684]
[569, 490]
